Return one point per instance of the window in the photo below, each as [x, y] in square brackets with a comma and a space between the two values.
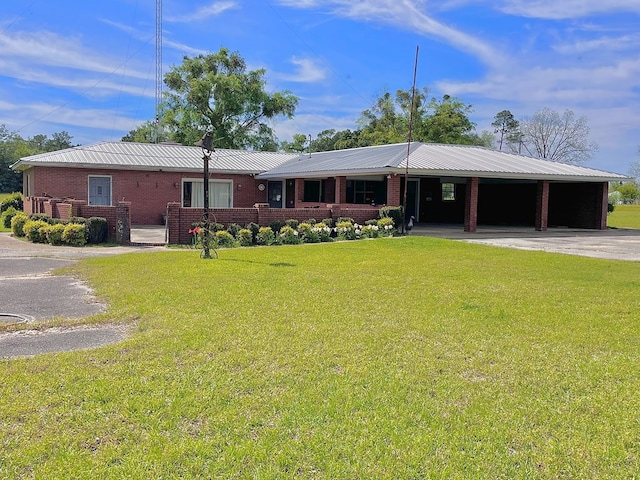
[313, 191]
[448, 192]
[219, 193]
[367, 192]
[100, 190]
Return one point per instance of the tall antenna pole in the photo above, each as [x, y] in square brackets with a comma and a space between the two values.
[406, 170]
[158, 68]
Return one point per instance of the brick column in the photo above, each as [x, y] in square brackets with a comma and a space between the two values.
[471, 205]
[123, 223]
[393, 191]
[341, 190]
[603, 211]
[542, 206]
[173, 223]
[299, 191]
[76, 207]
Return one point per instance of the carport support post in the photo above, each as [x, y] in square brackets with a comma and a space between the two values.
[471, 205]
[542, 206]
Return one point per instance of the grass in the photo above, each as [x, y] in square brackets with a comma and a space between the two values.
[625, 216]
[395, 358]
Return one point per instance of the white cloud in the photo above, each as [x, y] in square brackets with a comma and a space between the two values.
[600, 45]
[308, 71]
[203, 13]
[49, 49]
[407, 15]
[562, 9]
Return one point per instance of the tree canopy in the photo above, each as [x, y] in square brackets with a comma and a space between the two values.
[13, 147]
[444, 120]
[216, 92]
[507, 128]
[560, 138]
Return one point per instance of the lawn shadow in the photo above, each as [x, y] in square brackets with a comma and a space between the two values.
[274, 264]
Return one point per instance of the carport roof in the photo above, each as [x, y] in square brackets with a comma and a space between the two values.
[149, 156]
[434, 160]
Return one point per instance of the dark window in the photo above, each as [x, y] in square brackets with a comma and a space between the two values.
[366, 192]
[313, 191]
[186, 194]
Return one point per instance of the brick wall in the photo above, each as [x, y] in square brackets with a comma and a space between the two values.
[148, 191]
[180, 219]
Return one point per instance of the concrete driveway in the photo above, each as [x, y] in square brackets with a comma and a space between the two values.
[30, 293]
[612, 244]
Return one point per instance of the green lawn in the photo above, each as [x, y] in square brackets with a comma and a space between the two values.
[396, 358]
[625, 216]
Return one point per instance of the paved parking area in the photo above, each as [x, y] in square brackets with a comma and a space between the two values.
[612, 244]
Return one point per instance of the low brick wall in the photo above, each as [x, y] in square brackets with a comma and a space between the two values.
[180, 220]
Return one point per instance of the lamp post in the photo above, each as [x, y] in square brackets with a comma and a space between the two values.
[206, 143]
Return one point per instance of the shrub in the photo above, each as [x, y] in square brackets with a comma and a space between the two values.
[255, 228]
[276, 225]
[328, 222]
[395, 213]
[41, 216]
[233, 229]
[370, 231]
[386, 226]
[265, 236]
[96, 230]
[245, 237]
[345, 219]
[311, 221]
[308, 233]
[78, 220]
[12, 201]
[346, 230]
[54, 233]
[288, 236]
[224, 239]
[7, 215]
[293, 223]
[17, 224]
[323, 231]
[35, 230]
[74, 234]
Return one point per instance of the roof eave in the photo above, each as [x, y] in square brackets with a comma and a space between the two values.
[21, 166]
[511, 175]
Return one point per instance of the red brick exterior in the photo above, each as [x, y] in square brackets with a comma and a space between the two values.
[149, 192]
[542, 206]
[393, 191]
[471, 205]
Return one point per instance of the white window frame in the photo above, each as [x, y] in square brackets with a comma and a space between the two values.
[89, 177]
[201, 182]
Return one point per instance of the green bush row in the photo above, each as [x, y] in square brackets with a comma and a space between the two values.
[41, 228]
[291, 232]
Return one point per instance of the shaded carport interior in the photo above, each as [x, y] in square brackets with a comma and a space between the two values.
[512, 202]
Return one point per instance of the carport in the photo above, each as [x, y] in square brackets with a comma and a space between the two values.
[452, 184]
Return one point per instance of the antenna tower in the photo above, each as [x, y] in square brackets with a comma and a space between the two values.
[158, 68]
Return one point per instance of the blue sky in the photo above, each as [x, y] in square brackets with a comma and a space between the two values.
[89, 67]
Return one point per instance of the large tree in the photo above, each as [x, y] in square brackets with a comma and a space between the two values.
[217, 92]
[560, 138]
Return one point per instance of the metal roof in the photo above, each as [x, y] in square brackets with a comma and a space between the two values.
[436, 160]
[149, 156]
[424, 159]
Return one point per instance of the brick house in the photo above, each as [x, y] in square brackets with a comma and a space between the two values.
[451, 184]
